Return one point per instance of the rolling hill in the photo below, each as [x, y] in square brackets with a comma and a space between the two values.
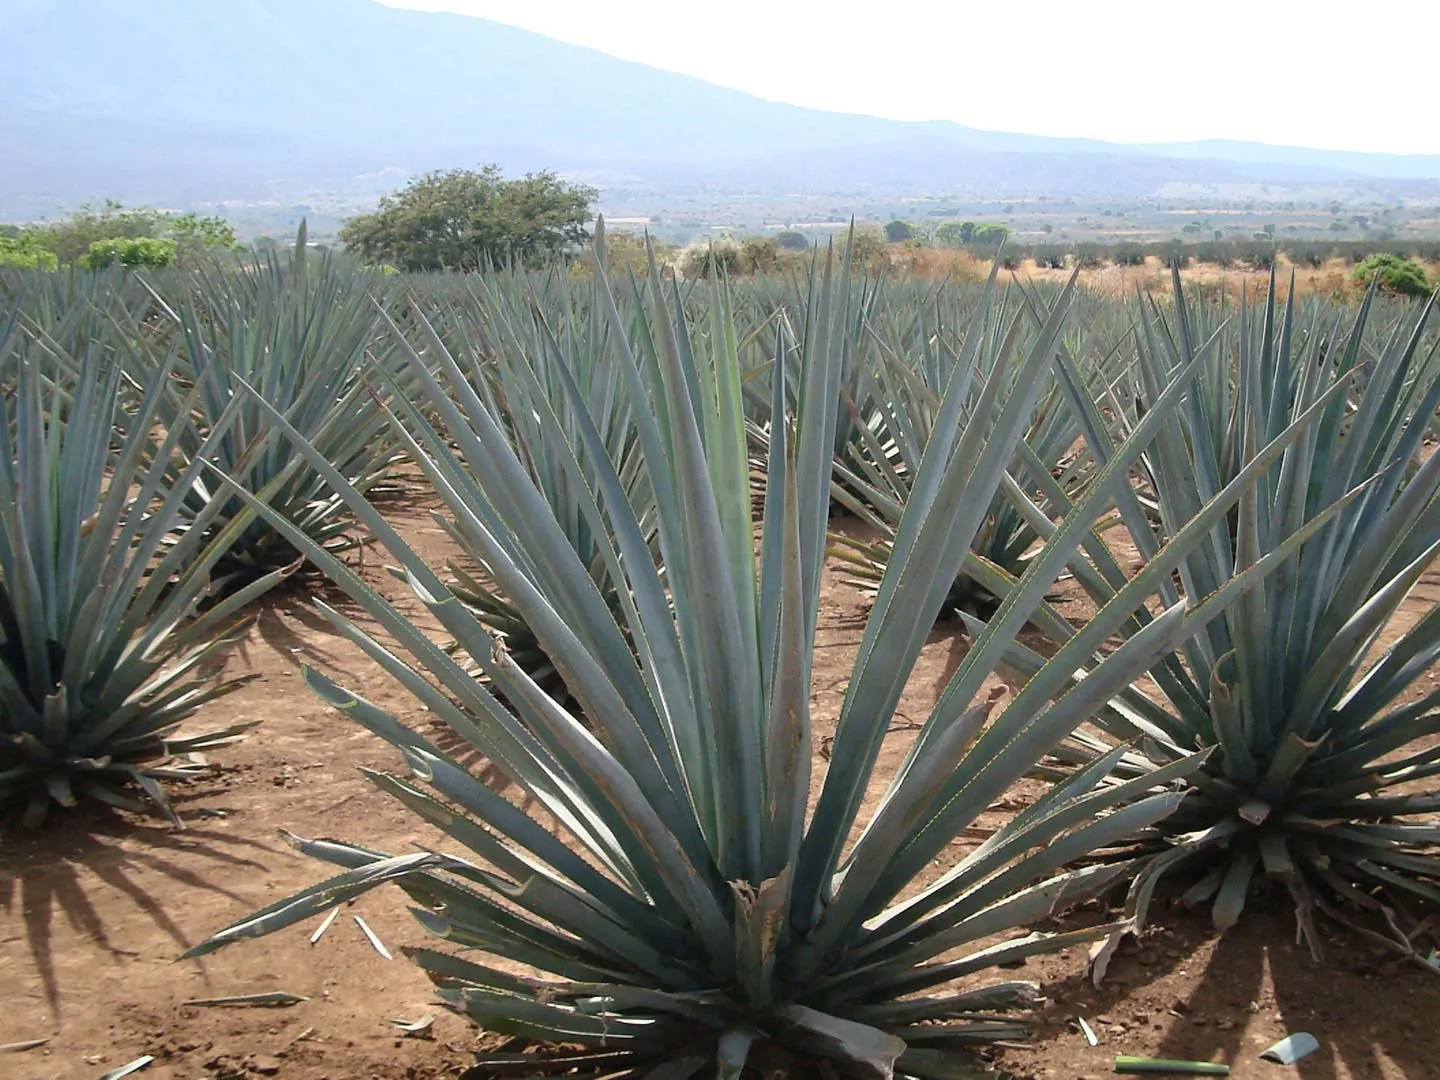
[190, 99]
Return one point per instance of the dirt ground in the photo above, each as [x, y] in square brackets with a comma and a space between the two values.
[97, 906]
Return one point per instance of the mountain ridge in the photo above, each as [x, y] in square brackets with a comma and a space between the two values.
[253, 91]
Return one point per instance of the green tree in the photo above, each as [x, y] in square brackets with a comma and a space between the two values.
[463, 219]
[989, 235]
[1399, 276]
[790, 240]
[955, 233]
[898, 231]
[193, 234]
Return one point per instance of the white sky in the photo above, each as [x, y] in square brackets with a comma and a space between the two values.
[1317, 73]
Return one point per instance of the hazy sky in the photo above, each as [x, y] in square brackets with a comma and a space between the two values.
[1279, 71]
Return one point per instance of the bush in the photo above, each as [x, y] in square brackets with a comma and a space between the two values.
[867, 245]
[138, 251]
[711, 260]
[1172, 253]
[759, 255]
[25, 252]
[790, 240]
[1127, 255]
[1394, 274]
[1050, 257]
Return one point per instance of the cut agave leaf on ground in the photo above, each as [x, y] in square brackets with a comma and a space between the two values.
[1102, 952]
[273, 998]
[126, 1070]
[1292, 1048]
[413, 1027]
[1088, 1031]
[21, 1047]
[1142, 1066]
[324, 925]
[374, 940]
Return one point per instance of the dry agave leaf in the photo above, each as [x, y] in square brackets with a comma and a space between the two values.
[273, 998]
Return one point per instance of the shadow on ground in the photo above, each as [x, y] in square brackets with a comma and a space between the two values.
[1182, 993]
[43, 876]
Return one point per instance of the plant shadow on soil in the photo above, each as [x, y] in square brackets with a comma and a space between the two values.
[1183, 992]
[40, 877]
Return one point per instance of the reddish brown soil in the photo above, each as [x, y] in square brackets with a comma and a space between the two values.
[97, 906]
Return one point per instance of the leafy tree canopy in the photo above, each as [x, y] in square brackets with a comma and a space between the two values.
[462, 219]
[898, 231]
[955, 233]
[966, 233]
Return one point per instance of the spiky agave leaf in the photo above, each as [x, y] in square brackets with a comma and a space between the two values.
[1323, 763]
[99, 650]
[688, 909]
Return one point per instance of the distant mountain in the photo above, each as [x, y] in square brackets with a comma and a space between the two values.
[191, 99]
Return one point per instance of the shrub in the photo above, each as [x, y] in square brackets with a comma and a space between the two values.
[1127, 254]
[139, 251]
[790, 240]
[714, 259]
[1402, 277]
[759, 255]
[1050, 257]
[26, 252]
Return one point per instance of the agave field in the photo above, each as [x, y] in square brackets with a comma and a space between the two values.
[820, 675]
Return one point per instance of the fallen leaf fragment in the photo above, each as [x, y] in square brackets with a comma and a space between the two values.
[413, 1027]
[324, 925]
[1165, 1066]
[20, 1047]
[1292, 1048]
[125, 1070]
[273, 998]
[375, 941]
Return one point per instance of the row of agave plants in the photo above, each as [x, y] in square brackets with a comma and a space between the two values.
[639, 478]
